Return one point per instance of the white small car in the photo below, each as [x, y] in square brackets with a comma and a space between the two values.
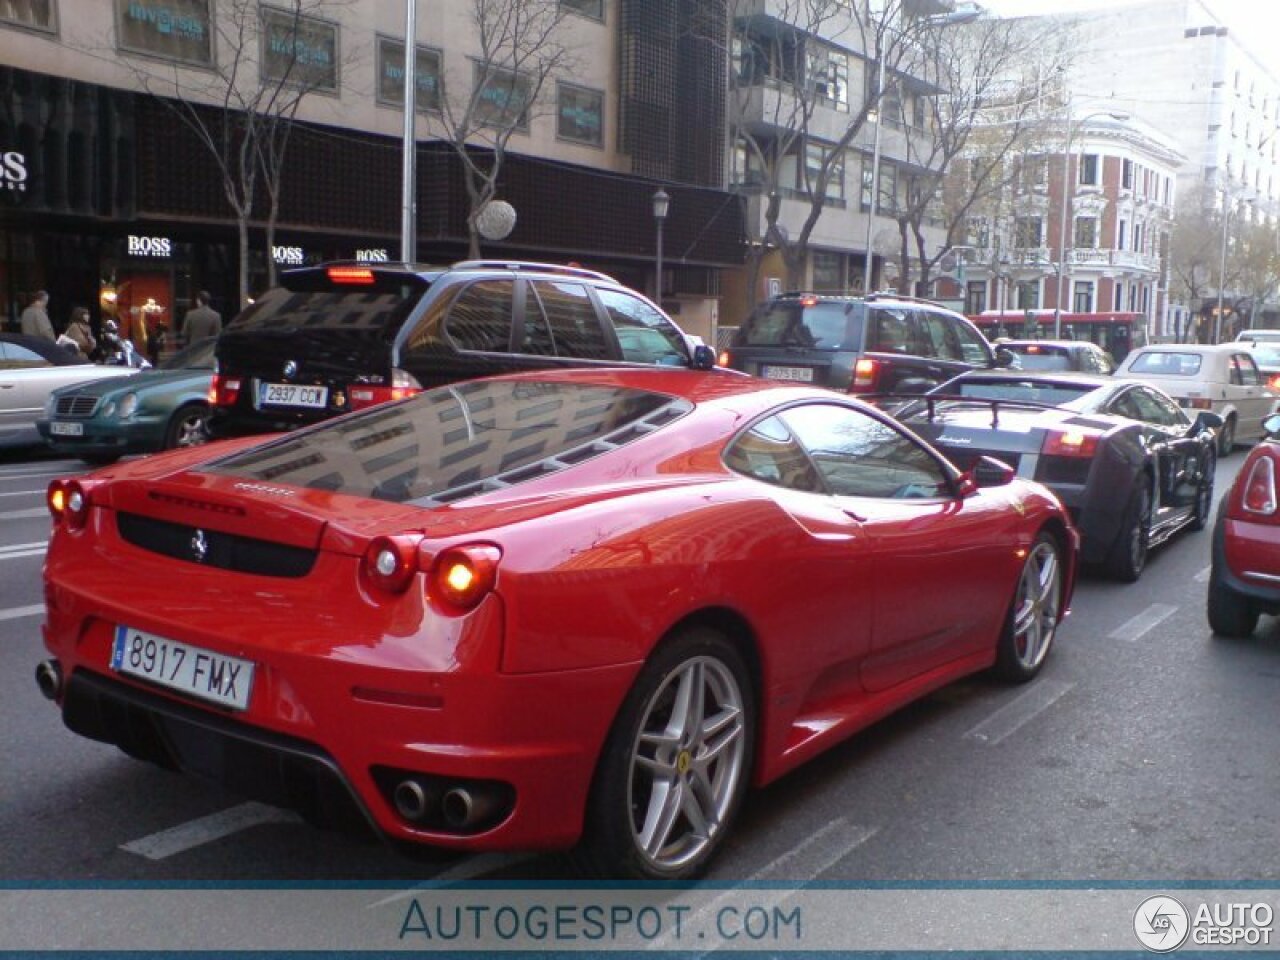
[1221, 377]
[1260, 335]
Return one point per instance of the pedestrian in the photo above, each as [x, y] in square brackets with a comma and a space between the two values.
[80, 331]
[35, 319]
[201, 322]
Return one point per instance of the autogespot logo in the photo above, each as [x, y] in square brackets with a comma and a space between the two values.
[1161, 924]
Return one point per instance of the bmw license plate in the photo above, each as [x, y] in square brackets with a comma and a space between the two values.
[180, 666]
[292, 395]
[59, 429]
[801, 374]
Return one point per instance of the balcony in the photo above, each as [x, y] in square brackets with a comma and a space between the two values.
[1123, 259]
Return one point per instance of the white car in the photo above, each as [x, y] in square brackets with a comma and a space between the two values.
[31, 368]
[1260, 335]
[1221, 377]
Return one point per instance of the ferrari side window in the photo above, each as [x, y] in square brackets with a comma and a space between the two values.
[769, 453]
[860, 456]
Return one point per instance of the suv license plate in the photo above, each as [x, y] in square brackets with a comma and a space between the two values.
[804, 374]
[182, 667]
[292, 395]
[59, 429]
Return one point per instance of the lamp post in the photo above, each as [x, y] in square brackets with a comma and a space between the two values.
[1072, 126]
[1227, 210]
[661, 203]
[408, 183]
[875, 173]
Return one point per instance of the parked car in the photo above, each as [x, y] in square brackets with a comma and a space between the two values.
[1244, 580]
[877, 344]
[564, 605]
[1260, 335]
[30, 369]
[1266, 354]
[341, 337]
[1220, 377]
[1131, 466]
[1078, 355]
[158, 409]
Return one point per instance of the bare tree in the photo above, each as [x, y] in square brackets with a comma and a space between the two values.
[1000, 86]
[521, 51]
[242, 109]
[1195, 247]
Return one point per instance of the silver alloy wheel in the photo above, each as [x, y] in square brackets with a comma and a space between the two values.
[190, 430]
[1036, 608]
[687, 762]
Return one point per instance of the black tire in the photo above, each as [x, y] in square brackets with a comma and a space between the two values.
[626, 789]
[1128, 557]
[187, 427]
[1230, 614]
[1032, 620]
[1204, 493]
[1227, 437]
[99, 459]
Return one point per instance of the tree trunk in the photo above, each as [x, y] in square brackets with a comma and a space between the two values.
[242, 226]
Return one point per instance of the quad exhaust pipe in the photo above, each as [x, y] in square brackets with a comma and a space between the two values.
[463, 808]
[49, 679]
[412, 800]
[460, 808]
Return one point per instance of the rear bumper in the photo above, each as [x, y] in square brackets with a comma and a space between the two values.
[1246, 560]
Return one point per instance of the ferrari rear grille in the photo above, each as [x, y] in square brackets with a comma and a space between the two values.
[212, 548]
[76, 406]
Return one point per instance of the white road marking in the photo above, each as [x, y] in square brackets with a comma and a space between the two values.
[17, 613]
[469, 869]
[13, 551]
[24, 514]
[196, 833]
[39, 473]
[1203, 575]
[1147, 620]
[1020, 711]
[24, 493]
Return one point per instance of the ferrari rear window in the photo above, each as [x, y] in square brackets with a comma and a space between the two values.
[1167, 364]
[459, 441]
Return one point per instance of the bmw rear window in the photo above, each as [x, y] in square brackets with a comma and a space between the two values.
[459, 441]
[830, 325]
[379, 305]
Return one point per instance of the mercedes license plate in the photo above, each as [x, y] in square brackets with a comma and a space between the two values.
[180, 666]
[292, 395]
[59, 429]
[803, 374]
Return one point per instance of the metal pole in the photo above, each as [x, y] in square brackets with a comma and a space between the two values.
[657, 298]
[1062, 231]
[875, 173]
[408, 183]
[1222, 268]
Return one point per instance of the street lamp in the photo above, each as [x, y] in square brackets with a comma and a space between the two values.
[875, 173]
[1227, 210]
[409, 148]
[1072, 126]
[661, 203]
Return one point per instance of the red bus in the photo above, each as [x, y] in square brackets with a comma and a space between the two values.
[1116, 332]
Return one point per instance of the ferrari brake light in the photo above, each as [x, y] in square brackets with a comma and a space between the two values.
[865, 374]
[461, 577]
[68, 502]
[390, 563]
[56, 499]
[1260, 488]
[350, 275]
[223, 390]
[1070, 443]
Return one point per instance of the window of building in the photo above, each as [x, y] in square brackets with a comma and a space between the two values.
[815, 157]
[1133, 296]
[1117, 298]
[829, 75]
[32, 14]
[1026, 232]
[1035, 171]
[173, 29]
[1122, 231]
[586, 8]
[760, 58]
[979, 232]
[580, 114]
[503, 98]
[1086, 236]
[426, 76]
[1088, 170]
[828, 270]
[748, 170]
[888, 201]
[301, 51]
[1126, 174]
[975, 297]
[1029, 295]
[1082, 301]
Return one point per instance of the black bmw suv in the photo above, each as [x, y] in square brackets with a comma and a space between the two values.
[342, 336]
[878, 344]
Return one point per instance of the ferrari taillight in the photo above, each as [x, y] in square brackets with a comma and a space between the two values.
[1260, 488]
[1070, 443]
[223, 390]
[461, 577]
[68, 502]
[865, 374]
[389, 564]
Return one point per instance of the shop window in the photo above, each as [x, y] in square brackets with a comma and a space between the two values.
[32, 14]
[580, 115]
[828, 270]
[503, 98]
[173, 29]
[426, 76]
[300, 51]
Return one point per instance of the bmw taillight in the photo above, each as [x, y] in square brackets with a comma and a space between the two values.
[350, 275]
[1273, 383]
[866, 372]
[223, 390]
[68, 502]
[1198, 403]
[1070, 443]
[390, 563]
[723, 359]
[462, 576]
[1260, 488]
[403, 384]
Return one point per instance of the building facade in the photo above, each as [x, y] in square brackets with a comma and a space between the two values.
[110, 200]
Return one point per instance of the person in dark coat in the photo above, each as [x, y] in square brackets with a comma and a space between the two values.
[35, 319]
[202, 321]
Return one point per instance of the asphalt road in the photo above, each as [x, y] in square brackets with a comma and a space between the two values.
[1147, 750]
